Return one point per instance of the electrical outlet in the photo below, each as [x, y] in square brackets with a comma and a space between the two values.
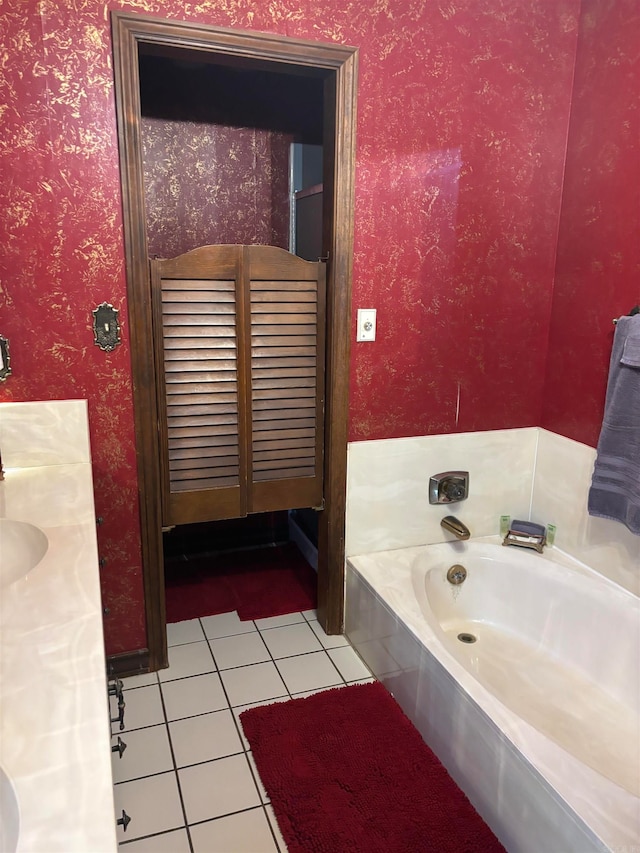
[366, 325]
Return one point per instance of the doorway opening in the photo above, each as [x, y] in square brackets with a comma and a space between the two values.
[222, 150]
[317, 84]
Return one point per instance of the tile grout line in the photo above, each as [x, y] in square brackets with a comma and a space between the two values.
[236, 722]
[271, 658]
[288, 657]
[238, 726]
[175, 768]
[127, 841]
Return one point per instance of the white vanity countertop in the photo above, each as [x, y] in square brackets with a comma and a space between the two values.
[55, 743]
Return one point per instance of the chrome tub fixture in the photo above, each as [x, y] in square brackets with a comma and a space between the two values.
[448, 487]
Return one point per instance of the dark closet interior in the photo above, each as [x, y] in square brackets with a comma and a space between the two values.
[217, 144]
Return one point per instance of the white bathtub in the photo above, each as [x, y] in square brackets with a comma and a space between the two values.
[538, 720]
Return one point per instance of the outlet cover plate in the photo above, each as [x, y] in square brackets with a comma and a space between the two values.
[366, 324]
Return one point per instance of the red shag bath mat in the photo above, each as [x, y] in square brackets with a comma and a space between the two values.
[257, 583]
[347, 772]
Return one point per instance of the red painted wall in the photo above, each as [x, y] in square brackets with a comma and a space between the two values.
[598, 265]
[462, 126]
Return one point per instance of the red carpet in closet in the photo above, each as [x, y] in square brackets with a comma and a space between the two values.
[258, 583]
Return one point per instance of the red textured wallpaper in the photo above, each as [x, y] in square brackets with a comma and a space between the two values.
[62, 254]
[598, 266]
[462, 127]
[461, 150]
[208, 183]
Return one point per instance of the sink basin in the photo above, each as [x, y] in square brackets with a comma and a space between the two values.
[9, 815]
[22, 546]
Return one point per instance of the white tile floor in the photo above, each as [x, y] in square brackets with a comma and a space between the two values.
[187, 777]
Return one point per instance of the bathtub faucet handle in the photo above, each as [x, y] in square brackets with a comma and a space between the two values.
[448, 487]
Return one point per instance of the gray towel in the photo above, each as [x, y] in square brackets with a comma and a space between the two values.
[615, 486]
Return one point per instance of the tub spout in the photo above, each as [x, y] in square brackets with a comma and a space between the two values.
[455, 526]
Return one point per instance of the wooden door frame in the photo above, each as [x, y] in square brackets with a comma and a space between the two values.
[338, 65]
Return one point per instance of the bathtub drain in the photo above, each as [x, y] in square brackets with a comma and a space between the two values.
[467, 638]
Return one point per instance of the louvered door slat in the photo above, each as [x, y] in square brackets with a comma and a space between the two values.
[201, 442]
[290, 283]
[272, 442]
[179, 398]
[222, 374]
[261, 372]
[197, 452]
[185, 405]
[288, 452]
[302, 428]
[274, 295]
[221, 349]
[183, 342]
[181, 334]
[283, 398]
[283, 366]
[183, 434]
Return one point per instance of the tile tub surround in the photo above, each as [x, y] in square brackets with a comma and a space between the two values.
[560, 489]
[487, 749]
[528, 473]
[387, 486]
[54, 734]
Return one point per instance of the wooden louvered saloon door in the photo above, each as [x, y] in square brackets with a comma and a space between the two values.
[239, 344]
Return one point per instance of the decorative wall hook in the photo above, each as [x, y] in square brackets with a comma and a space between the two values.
[5, 359]
[106, 327]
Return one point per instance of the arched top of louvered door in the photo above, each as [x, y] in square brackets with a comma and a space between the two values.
[239, 333]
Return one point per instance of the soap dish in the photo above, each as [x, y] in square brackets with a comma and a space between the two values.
[526, 534]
